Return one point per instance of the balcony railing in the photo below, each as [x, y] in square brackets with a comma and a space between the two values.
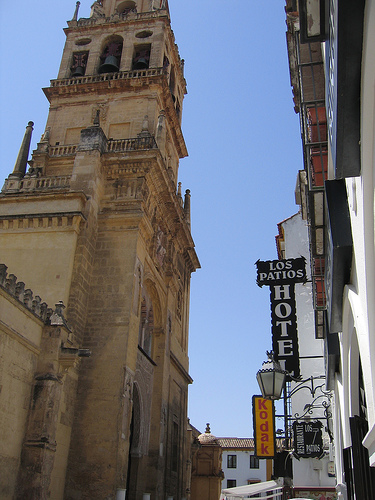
[28, 184]
[68, 150]
[316, 144]
[31, 182]
[319, 283]
[132, 15]
[120, 75]
[138, 143]
[113, 146]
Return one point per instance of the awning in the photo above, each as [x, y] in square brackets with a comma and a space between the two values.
[249, 490]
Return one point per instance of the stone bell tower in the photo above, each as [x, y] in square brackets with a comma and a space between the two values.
[98, 221]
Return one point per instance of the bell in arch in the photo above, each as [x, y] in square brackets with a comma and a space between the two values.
[141, 63]
[110, 65]
[141, 59]
[78, 71]
[79, 64]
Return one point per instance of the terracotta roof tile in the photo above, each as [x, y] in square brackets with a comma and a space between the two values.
[237, 443]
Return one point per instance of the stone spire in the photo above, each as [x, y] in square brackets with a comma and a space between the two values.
[179, 195]
[207, 438]
[187, 207]
[75, 16]
[21, 163]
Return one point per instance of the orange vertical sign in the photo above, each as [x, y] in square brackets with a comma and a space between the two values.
[264, 427]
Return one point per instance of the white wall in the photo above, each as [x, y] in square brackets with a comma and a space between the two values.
[357, 338]
[307, 471]
[242, 474]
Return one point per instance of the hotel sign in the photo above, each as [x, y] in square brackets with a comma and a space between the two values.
[264, 427]
[273, 272]
[281, 276]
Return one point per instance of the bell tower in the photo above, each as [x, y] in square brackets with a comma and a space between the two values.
[98, 220]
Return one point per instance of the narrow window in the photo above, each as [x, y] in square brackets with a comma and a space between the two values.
[254, 462]
[232, 461]
[146, 326]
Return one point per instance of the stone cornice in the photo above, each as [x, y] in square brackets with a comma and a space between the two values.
[120, 81]
[19, 198]
[18, 337]
[173, 121]
[180, 368]
[44, 210]
[88, 24]
[117, 169]
[58, 221]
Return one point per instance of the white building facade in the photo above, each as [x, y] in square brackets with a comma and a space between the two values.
[332, 66]
[240, 465]
[312, 477]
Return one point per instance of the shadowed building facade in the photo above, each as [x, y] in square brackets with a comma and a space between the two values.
[98, 222]
[206, 471]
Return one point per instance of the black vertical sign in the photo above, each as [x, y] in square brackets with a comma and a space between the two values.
[308, 439]
[281, 276]
[284, 328]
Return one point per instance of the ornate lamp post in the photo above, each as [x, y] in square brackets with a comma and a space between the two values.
[271, 378]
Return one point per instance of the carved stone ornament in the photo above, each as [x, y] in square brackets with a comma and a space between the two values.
[103, 112]
[160, 246]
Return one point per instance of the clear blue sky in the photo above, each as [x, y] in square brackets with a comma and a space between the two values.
[244, 146]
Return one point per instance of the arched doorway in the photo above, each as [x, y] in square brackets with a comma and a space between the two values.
[359, 476]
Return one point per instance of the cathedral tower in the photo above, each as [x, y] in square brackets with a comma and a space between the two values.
[98, 221]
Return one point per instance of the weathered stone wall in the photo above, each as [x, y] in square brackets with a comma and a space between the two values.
[20, 336]
[38, 387]
[98, 221]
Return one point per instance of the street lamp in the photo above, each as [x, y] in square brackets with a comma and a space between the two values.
[271, 378]
[272, 381]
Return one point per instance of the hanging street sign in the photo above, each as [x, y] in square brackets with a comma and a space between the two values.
[281, 276]
[264, 427]
[308, 439]
[284, 328]
[273, 272]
